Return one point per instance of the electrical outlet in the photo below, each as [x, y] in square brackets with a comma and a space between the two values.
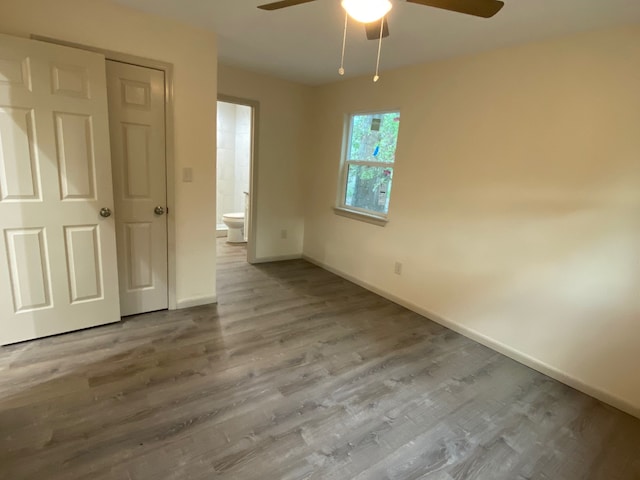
[283, 234]
[397, 269]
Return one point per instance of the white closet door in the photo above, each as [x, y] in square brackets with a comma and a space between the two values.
[136, 117]
[57, 252]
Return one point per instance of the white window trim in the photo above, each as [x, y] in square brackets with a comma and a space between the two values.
[341, 208]
[362, 215]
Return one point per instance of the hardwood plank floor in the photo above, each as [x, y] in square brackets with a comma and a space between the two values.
[295, 374]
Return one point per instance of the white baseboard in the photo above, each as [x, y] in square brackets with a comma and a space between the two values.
[489, 342]
[196, 302]
[280, 258]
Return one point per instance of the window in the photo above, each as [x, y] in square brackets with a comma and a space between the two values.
[367, 170]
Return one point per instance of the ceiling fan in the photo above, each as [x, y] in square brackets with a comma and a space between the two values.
[372, 13]
[477, 8]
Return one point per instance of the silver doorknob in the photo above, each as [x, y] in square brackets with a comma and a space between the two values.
[105, 212]
[158, 210]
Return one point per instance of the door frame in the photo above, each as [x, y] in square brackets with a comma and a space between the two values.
[167, 68]
[253, 170]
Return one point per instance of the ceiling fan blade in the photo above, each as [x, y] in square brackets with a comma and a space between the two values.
[373, 29]
[477, 8]
[283, 4]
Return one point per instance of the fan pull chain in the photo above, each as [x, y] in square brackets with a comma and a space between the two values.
[344, 43]
[376, 77]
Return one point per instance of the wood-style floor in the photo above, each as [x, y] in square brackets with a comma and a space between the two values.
[295, 374]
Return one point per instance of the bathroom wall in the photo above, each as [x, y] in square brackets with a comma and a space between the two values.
[234, 158]
[243, 156]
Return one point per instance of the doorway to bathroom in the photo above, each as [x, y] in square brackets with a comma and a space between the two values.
[235, 192]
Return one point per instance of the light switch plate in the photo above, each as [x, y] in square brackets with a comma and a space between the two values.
[187, 174]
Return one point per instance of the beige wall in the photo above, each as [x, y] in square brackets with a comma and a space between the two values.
[284, 113]
[103, 24]
[515, 206]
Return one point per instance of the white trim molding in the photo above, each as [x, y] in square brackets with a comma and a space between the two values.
[280, 258]
[362, 216]
[196, 302]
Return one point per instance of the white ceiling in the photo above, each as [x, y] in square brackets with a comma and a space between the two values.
[303, 43]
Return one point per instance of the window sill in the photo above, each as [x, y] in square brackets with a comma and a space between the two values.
[361, 216]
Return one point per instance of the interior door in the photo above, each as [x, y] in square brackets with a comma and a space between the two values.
[136, 119]
[57, 272]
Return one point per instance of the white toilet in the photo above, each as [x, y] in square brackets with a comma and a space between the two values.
[235, 225]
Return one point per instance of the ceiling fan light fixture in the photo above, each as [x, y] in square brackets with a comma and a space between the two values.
[366, 11]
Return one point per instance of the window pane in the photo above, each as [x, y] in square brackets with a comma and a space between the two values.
[369, 187]
[374, 137]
